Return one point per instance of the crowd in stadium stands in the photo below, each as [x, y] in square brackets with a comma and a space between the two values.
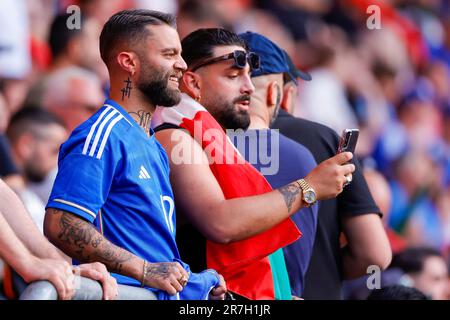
[391, 81]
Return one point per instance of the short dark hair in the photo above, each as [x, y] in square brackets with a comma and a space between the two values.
[397, 292]
[412, 260]
[199, 45]
[30, 119]
[60, 35]
[129, 26]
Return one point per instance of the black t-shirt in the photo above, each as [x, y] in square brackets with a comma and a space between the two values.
[324, 276]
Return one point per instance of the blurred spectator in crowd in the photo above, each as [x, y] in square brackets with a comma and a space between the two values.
[397, 292]
[8, 169]
[414, 212]
[15, 55]
[71, 49]
[196, 14]
[101, 10]
[35, 136]
[443, 207]
[74, 47]
[427, 270]
[73, 94]
[7, 165]
[381, 193]
[333, 108]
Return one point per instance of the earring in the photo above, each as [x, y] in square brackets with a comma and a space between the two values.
[198, 98]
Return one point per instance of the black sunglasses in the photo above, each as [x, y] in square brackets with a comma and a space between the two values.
[240, 60]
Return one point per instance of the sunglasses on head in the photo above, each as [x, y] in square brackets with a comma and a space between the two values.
[240, 60]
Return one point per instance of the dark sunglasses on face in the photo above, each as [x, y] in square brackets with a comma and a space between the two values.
[240, 60]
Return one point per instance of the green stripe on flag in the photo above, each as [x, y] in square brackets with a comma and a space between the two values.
[282, 286]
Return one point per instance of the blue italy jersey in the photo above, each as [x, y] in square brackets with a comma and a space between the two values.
[115, 176]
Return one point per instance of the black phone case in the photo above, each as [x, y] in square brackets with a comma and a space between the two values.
[348, 140]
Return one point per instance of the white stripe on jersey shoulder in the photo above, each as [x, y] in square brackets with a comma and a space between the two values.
[76, 206]
[98, 129]
[108, 105]
[94, 126]
[108, 131]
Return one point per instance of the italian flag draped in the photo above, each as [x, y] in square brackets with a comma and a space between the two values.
[244, 264]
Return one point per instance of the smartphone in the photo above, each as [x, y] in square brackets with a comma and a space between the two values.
[348, 140]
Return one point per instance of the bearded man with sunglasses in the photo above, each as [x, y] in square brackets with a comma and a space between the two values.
[219, 196]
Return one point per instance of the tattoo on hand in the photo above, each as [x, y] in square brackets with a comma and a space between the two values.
[157, 270]
[126, 91]
[81, 238]
[144, 119]
[290, 193]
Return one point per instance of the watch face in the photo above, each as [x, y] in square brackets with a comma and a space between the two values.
[310, 197]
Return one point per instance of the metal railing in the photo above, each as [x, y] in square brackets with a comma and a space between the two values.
[86, 289]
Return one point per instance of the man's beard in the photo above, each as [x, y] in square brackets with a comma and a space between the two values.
[33, 175]
[154, 84]
[229, 116]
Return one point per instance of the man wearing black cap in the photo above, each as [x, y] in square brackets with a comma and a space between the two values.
[353, 212]
[294, 161]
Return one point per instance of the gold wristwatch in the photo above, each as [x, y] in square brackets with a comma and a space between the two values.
[308, 194]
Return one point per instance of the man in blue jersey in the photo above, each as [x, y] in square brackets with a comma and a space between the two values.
[289, 159]
[113, 172]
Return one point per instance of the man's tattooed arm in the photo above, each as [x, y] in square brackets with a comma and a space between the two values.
[80, 240]
[290, 193]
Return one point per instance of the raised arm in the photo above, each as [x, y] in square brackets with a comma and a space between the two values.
[80, 240]
[198, 194]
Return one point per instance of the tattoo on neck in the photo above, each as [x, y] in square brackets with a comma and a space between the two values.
[290, 193]
[126, 91]
[143, 118]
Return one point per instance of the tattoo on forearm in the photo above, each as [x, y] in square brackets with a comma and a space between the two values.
[73, 231]
[290, 193]
[82, 241]
[143, 118]
[113, 256]
[126, 91]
